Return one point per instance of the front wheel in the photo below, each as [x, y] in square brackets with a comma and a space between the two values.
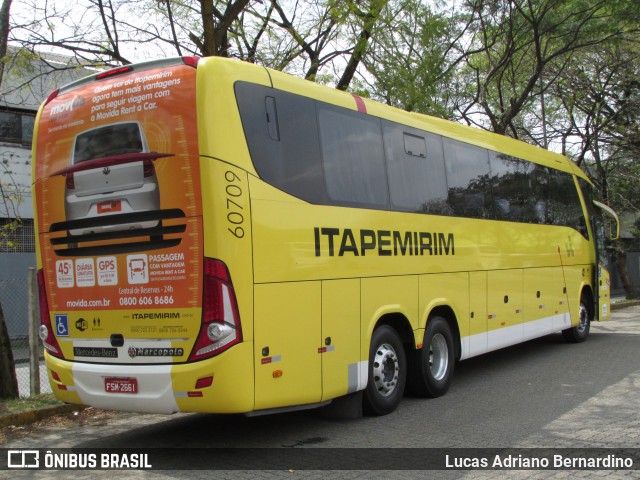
[580, 332]
[434, 363]
[387, 372]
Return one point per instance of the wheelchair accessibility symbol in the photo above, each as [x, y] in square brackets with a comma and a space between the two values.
[62, 325]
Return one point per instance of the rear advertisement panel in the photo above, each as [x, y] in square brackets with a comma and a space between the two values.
[120, 218]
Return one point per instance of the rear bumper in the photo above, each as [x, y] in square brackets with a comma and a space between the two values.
[161, 388]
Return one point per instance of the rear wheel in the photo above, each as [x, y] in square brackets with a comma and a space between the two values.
[387, 372]
[435, 361]
[580, 332]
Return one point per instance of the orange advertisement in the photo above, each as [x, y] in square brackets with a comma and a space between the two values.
[118, 190]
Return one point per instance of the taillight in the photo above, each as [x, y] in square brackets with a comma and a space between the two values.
[220, 328]
[52, 95]
[70, 182]
[191, 61]
[46, 331]
[114, 71]
[148, 168]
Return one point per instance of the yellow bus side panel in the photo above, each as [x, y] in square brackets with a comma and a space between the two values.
[544, 295]
[232, 387]
[219, 126]
[340, 343]
[287, 337]
[387, 295]
[227, 230]
[504, 304]
[478, 321]
[446, 289]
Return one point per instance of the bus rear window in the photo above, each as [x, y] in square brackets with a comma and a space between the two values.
[116, 139]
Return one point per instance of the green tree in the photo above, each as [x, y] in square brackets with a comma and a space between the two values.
[601, 100]
[408, 62]
[511, 47]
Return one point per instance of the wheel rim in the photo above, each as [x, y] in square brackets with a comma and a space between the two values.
[385, 370]
[584, 319]
[438, 356]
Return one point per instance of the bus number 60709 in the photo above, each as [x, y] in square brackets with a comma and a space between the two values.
[234, 209]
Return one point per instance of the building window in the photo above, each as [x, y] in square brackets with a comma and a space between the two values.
[16, 127]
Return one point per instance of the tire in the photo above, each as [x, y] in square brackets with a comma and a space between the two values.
[387, 372]
[434, 363]
[580, 332]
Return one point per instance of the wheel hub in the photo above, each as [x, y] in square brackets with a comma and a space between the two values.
[385, 369]
[584, 316]
[438, 356]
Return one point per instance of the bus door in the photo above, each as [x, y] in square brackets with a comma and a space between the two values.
[606, 227]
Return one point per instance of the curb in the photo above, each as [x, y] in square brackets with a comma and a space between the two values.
[30, 416]
[624, 304]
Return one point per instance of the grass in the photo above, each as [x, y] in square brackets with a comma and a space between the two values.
[27, 403]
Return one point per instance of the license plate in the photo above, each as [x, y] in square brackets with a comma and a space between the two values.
[109, 207]
[121, 385]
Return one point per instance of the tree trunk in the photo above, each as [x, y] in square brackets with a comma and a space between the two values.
[630, 291]
[8, 381]
[4, 33]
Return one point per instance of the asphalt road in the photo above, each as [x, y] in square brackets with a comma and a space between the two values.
[544, 393]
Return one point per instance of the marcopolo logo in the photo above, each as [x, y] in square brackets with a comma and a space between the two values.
[155, 352]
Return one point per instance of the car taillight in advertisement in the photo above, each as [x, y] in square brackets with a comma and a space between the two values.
[220, 327]
[148, 168]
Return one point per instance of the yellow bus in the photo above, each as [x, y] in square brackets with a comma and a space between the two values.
[215, 236]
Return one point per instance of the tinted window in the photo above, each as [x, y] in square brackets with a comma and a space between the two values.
[588, 193]
[352, 156]
[513, 190]
[107, 141]
[468, 179]
[415, 167]
[282, 135]
[564, 203]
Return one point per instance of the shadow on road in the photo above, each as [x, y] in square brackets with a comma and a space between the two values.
[496, 400]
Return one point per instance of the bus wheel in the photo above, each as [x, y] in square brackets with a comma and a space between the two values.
[387, 372]
[580, 332]
[435, 361]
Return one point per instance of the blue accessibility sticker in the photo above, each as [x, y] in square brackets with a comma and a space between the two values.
[62, 325]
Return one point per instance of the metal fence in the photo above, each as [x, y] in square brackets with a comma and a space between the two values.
[18, 309]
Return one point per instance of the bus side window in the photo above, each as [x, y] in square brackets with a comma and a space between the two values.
[564, 202]
[511, 188]
[468, 179]
[415, 168]
[282, 136]
[352, 157]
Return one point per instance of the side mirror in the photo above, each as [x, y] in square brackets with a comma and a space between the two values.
[611, 220]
